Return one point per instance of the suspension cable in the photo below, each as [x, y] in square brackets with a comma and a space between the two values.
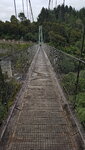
[15, 8]
[31, 11]
[23, 5]
[27, 9]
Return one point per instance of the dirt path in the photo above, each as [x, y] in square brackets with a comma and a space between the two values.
[41, 123]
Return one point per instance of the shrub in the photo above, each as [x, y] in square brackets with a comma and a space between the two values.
[80, 102]
[69, 82]
[81, 115]
[2, 113]
[66, 65]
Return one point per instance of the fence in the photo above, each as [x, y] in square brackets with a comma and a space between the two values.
[12, 97]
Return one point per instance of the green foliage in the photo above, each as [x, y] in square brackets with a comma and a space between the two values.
[82, 81]
[2, 87]
[22, 17]
[30, 37]
[2, 113]
[16, 29]
[9, 88]
[61, 27]
[81, 115]
[12, 88]
[82, 15]
[74, 36]
[69, 82]
[64, 31]
[46, 16]
[73, 50]
[13, 48]
[56, 39]
[66, 65]
[80, 102]
[13, 19]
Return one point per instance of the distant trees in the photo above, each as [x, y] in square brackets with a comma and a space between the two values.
[61, 13]
[18, 28]
[61, 26]
[22, 17]
[13, 19]
[46, 16]
[82, 15]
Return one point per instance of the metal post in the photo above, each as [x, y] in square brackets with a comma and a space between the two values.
[40, 35]
[15, 8]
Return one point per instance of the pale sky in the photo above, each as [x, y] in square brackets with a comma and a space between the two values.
[7, 6]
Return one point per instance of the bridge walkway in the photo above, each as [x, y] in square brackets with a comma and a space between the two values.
[42, 123]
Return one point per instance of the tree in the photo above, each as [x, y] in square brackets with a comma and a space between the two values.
[13, 19]
[22, 17]
[82, 15]
[46, 16]
[57, 39]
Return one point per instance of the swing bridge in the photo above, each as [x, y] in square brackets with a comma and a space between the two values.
[42, 117]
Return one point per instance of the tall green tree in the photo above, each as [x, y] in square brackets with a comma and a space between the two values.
[22, 17]
[13, 19]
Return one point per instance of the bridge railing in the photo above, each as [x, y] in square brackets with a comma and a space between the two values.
[71, 73]
[11, 87]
